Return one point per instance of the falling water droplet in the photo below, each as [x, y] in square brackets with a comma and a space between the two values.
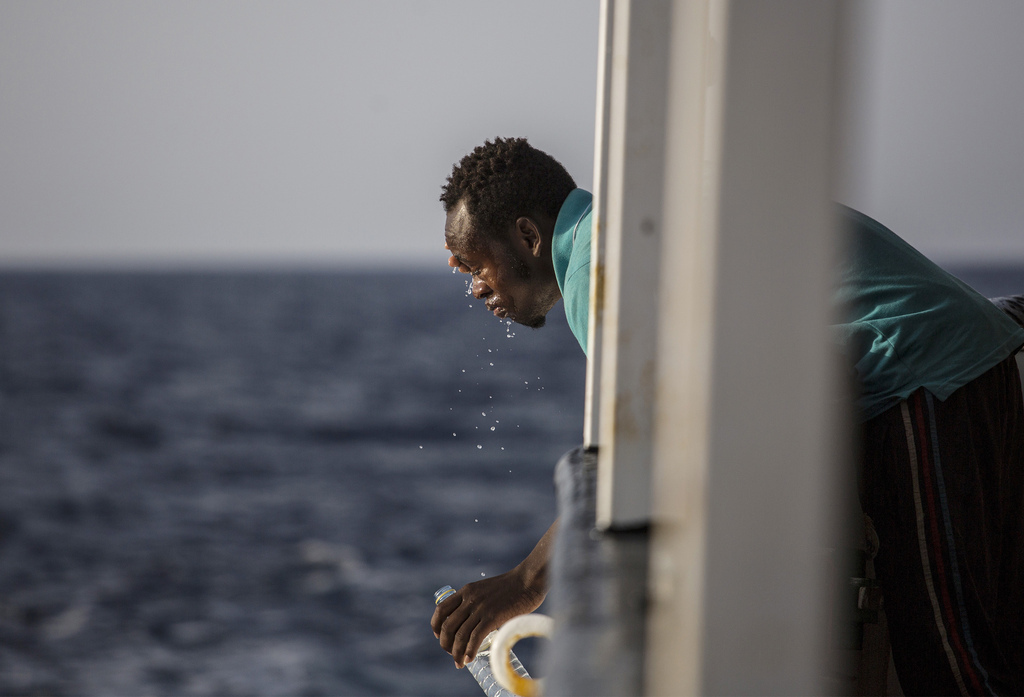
[479, 447]
[492, 428]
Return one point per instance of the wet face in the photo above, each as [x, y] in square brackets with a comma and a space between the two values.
[515, 279]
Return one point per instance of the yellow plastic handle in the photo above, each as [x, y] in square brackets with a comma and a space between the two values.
[501, 647]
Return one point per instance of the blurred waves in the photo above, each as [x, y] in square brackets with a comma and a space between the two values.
[252, 483]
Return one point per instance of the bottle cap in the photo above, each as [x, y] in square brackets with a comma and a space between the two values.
[442, 593]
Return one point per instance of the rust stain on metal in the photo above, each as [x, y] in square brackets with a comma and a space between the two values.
[597, 293]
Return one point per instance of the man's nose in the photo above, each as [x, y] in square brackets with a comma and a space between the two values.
[480, 289]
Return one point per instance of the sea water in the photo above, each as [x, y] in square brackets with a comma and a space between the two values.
[250, 484]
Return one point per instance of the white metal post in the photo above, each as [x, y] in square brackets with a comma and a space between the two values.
[592, 408]
[746, 433]
[680, 460]
[628, 274]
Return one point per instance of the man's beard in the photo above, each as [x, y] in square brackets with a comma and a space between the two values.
[522, 271]
[518, 266]
[533, 322]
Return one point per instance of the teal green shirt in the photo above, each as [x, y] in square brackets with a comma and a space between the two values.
[908, 324]
[570, 253]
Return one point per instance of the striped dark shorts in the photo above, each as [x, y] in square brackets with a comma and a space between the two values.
[943, 482]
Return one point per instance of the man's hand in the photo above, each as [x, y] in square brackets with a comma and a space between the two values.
[463, 620]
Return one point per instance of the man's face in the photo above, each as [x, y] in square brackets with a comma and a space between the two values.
[504, 275]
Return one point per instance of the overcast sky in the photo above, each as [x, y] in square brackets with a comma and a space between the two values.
[940, 123]
[283, 131]
[181, 133]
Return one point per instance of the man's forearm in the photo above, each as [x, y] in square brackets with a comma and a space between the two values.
[534, 569]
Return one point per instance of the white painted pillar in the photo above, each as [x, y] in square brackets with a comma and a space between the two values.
[626, 277]
[592, 405]
[746, 434]
[679, 529]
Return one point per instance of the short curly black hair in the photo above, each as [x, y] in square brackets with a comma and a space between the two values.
[503, 180]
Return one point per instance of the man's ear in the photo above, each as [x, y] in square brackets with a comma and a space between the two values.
[528, 234]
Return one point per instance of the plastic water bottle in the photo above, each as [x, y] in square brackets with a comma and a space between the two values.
[480, 667]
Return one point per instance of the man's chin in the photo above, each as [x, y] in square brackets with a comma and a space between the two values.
[532, 322]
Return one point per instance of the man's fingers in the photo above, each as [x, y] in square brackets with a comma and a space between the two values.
[451, 627]
[462, 638]
[480, 633]
[443, 611]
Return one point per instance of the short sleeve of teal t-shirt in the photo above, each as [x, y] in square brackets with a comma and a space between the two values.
[908, 323]
[570, 254]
